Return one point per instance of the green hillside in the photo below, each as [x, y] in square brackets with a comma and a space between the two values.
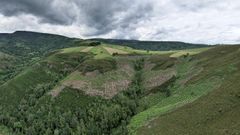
[28, 47]
[6, 66]
[70, 86]
[21, 49]
[24, 43]
[151, 45]
[214, 113]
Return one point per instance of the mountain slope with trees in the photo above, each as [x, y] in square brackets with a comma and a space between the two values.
[46, 95]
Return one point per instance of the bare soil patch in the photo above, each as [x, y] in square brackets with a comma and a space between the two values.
[92, 74]
[87, 49]
[112, 50]
[158, 79]
[55, 92]
[113, 88]
[190, 75]
[107, 90]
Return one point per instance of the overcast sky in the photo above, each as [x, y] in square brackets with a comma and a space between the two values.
[196, 21]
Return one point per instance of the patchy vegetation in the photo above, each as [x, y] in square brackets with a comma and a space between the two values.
[151, 45]
[4, 131]
[95, 82]
[207, 115]
[92, 87]
[102, 65]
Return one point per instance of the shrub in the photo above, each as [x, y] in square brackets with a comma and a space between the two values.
[94, 43]
[102, 65]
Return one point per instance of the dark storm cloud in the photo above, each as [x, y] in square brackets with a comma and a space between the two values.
[44, 9]
[107, 15]
[201, 21]
[101, 15]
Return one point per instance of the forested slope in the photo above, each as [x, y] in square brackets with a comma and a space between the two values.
[71, 86]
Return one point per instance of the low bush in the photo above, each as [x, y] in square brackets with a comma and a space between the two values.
[102, 65]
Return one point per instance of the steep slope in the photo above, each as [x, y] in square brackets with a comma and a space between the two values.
[111, 89]
[54, 89]
[111, 70]
[26, 48]
[48, 70]
[215, 113]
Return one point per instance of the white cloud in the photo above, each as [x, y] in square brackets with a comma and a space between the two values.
[196, 21]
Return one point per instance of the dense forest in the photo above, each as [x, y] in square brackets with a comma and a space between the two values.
[100, 117]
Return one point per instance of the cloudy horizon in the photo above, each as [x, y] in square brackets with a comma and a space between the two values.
[194, 21]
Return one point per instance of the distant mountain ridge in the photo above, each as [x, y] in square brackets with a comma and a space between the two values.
[24, 42]
[151, 45]
[29, 36]
[20, 33]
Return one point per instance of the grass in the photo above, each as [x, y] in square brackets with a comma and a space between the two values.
[214, 113]
[124, 48]
[102, 65]
[162, 62]
[87, 49]
[113, 50]
[73, 49]
[100, 52]
[179, 97]
[173, 53]
[152, 99]
[129, 50]
[189, 51]
[180, 94]
[106, 50]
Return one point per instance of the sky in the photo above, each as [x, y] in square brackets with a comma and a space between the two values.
[194, 21]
